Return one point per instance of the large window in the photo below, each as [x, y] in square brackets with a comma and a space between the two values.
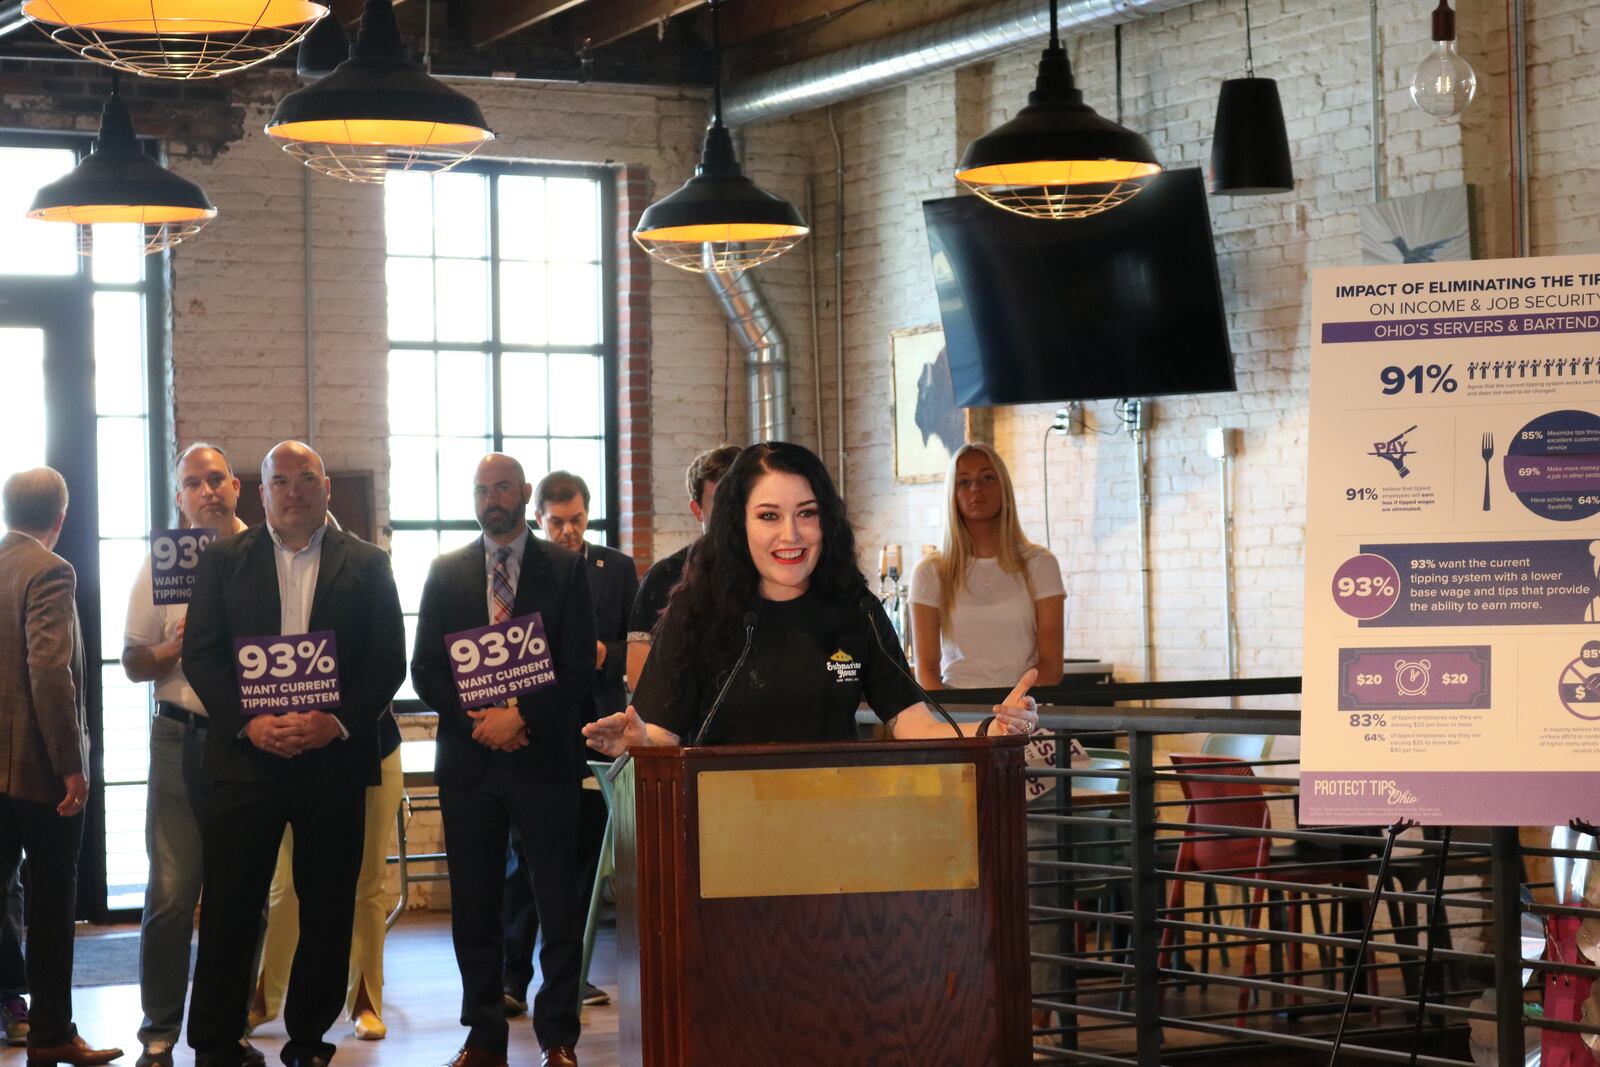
[76, 337]
[500, 329]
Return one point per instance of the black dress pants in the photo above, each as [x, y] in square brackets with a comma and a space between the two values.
[243, 830]
[520, 913]
[51, 844]
[476, 824]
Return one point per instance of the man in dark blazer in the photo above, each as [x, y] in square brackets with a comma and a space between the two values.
[44, 749]
[510, 766]
[295, 573]
[561, 501]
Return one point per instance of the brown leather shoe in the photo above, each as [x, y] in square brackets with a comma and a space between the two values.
[76, 1052]
[477, 1057]
[560, 1056]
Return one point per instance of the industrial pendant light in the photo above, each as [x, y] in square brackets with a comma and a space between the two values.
[720, 220]
[1249, 144]
[118, 183]
[180, 39]
[378, 112]
[1057, 159]
[1444, 83]
[322, 50]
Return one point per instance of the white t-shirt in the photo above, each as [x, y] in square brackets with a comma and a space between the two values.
[149, 624]
[993, 635]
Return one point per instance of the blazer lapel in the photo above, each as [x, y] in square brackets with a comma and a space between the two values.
[474, 584]
[264, 566]
[335, 550]
[535, 571]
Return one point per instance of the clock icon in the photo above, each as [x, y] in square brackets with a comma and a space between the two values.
[1411, 677]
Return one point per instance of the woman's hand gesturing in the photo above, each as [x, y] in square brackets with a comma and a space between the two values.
[615, 734]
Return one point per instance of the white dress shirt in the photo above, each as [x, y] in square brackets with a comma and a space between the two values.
[297, 585]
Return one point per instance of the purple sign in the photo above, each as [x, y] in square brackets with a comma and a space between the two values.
[1366, 586]
[1441, 798]
[174, 555]
[1553, 465]
[292, 672]
[1334, 333]
[1451, 678]
[493, 664]
[1493, 583]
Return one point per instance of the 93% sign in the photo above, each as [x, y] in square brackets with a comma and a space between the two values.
[174, 555]
[492, 664]
[1366, 586]
[294, 672]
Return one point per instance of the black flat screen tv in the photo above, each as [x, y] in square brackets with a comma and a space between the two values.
[1125, 303]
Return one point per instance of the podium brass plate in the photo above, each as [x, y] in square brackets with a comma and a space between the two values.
[805, 832]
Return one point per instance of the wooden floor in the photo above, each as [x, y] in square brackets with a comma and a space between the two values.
[422, 1007]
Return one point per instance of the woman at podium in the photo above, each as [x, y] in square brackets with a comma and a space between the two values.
[771, 636]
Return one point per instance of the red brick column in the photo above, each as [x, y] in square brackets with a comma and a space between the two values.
[636, 506]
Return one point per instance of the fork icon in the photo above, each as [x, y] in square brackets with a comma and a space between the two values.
[1488, 454]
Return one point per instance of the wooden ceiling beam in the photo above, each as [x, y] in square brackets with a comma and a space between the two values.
[490, 20]
[602, 21]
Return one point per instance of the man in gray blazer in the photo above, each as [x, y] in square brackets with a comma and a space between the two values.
[44, 749]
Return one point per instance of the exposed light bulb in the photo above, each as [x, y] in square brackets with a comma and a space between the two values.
[1444, 83]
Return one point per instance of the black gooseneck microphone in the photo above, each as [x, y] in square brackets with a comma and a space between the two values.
[738, 665]
[867, 603]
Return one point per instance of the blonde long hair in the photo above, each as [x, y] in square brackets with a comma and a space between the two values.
[954, 561]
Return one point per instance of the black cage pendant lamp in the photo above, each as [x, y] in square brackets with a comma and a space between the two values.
[1058, 159]
[378, 111]
[179, 39]
[1250, 146]
[119, 184]
[719, 221]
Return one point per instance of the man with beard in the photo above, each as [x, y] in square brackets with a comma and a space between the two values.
[179, 791]
[517, 764]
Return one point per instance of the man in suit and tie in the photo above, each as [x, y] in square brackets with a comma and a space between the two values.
[294, 574]
[44, 749]
[513, 765]
[561, 501]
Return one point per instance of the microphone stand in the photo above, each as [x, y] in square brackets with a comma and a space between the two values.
[866, 603]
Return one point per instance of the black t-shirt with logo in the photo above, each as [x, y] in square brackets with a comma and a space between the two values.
[813, 662]
[651, 599]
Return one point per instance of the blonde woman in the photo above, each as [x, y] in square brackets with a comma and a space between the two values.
[988, 605]
[985, 608]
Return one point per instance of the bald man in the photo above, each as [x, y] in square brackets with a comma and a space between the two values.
[516, 764]
[306, 769]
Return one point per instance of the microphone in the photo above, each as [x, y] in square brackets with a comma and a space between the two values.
[749, 641]
[738, 665]
[867, 603]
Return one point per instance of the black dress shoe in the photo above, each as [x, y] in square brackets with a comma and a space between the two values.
[306, 1061]
[253, 1057]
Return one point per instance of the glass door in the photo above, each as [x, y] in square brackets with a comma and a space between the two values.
[79, 391]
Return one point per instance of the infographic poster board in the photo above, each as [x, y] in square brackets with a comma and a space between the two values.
[1452, 600]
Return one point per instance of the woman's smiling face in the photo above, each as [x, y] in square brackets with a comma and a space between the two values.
[784, 527]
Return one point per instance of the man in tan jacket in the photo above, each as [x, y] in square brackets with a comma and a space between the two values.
[44, 749]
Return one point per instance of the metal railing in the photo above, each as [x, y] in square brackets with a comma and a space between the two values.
[1126, 972]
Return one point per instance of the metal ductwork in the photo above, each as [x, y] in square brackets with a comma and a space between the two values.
[766, 361]
[955, 42]
[11, 18]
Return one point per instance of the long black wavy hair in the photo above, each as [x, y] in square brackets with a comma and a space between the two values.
[720, 582]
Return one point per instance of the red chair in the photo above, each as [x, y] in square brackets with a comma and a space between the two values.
[1243, 804]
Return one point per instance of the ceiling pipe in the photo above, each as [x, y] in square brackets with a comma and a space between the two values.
[954, 42]
[11, 18]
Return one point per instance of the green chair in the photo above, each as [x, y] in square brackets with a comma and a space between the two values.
[602, 874]
[1245, 747]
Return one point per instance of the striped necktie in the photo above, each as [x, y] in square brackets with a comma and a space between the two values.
[504, 595]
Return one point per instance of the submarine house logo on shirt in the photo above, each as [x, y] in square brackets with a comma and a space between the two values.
[844, 666]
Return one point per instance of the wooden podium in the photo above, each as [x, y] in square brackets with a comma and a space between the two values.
[843, 904]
